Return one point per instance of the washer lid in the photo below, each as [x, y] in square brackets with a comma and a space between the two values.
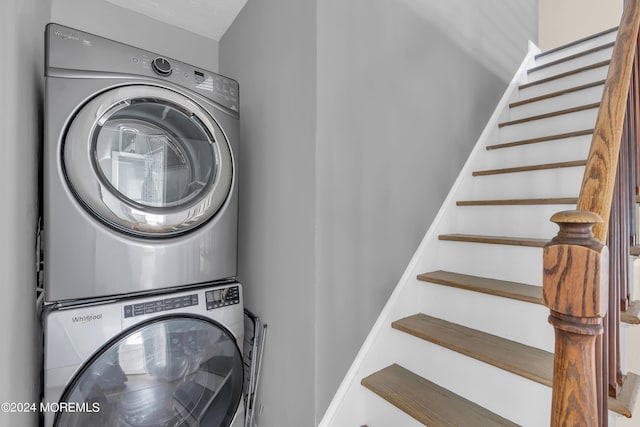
[147, 160]
[173, 371]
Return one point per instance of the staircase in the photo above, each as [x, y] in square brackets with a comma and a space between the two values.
[464, 339]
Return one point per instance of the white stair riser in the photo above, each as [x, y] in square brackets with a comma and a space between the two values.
[561, 102]
[521, 221]
[382, 413]
[599, 41]
[505, 262]
[631, 348]
[572, 80]
[561, 182]
[562, 67]
[550, 126]
[511, 396]
[561, 150]
[518, 321]
[635, 268]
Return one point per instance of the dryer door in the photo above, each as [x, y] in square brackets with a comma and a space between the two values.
[177, 371]
[147, 160]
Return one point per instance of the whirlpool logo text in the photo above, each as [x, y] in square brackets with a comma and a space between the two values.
[86, 319]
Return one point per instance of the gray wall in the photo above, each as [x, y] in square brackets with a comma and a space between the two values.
[355, 119]
[270, 50]
[21, 88]
[404, 89]
[108, 20]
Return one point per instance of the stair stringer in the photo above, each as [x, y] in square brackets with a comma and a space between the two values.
[347, 407]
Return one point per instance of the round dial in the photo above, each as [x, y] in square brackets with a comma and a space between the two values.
[161, 66]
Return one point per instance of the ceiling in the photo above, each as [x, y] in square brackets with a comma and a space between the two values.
[208, 18]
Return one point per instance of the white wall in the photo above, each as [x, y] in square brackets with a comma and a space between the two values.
[355, 119]
[117, 23]
[270, 50]
[562, 21]
[21, 89]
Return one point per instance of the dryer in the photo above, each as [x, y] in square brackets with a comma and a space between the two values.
[167, 360]
[139, 181]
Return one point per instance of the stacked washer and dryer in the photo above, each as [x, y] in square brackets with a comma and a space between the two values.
[143, 319]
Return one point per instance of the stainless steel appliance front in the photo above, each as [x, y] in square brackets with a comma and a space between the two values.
[171, 359]
[140, 190]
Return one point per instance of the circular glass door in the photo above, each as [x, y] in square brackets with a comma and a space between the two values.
[147, 160]
[182, 371]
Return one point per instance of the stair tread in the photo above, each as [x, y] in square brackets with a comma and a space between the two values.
[497, 240]
[526, 361]
[427, 402]
[632, 314]
[571, 57]
[556, 94]
[541, 139]
[575, 42]
[551, 114]
[528, 168]
[566, 74]
[520, 202]
[628, 396]
[523, 360]
[485, 285]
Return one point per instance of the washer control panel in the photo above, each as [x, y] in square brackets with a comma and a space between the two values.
[214, 298]
[222, 297]
[160, 305]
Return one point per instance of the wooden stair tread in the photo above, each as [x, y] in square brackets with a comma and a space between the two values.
[551, 114]
[502, 288]
[546, 166]
[632, 315]
[496, 240]
[519, 202]
[556, 94]
[427, 402]
[541, 139]
[566, 74]
[576, 42]
[571, 57]
[526, 361]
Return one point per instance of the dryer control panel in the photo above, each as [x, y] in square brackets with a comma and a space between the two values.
[76, 53]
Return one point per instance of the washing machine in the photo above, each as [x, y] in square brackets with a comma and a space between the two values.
[139, 181]
[165, 360]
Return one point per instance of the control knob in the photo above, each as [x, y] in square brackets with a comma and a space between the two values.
[161, 66]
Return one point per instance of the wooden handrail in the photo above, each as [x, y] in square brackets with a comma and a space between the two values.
[582, 286]
[596, 193]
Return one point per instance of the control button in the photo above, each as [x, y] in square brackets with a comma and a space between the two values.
[135, 60]
[138, 309]
[161, 66]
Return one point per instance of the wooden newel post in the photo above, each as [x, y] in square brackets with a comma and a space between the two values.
[575, 290]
